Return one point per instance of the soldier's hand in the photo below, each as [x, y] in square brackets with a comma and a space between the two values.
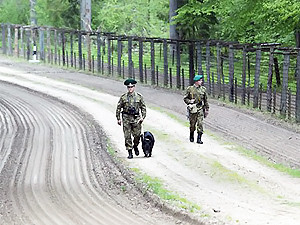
[119, 122]
[141, 120]
[206, 113]
[192, 101]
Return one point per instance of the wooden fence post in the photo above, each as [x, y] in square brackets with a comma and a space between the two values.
[270, 77]
[71, 49]
[178, 64]
[9, 39]
[199, 58]
[49, 46]
[80, 50]
[274, 100]
[244, 76]
[22, 52]
[119, 50]
[141, 62]
[98, 52]
[277, 73]
[28, 43]
[166, 66]
[256, 78]
[219, 69]
[129, 57]
[208, 66]
[297, 115]
[231, 73]
[16, 41]
[55, 46]
[152, 63]
[109, 54]
[283, 101]
[3, 38]
[63, 45]
[191, 62]
[42, 41]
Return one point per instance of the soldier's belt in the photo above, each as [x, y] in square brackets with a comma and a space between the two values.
[127, 113]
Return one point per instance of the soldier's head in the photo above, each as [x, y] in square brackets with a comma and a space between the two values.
[130, 83]
[198, 80]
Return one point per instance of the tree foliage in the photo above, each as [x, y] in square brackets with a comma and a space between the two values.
[230, 20]
[139, 17]
[9, 13]
[241, 20]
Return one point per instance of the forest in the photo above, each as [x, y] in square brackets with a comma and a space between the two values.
[245, 21]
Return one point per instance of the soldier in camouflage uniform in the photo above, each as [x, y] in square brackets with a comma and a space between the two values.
[133, 109]
[197, 105]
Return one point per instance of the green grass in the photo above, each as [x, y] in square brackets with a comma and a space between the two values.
[156, 186]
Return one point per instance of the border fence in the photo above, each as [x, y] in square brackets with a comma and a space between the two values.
[261, 75]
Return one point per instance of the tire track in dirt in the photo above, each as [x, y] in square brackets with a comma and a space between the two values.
[47, 170]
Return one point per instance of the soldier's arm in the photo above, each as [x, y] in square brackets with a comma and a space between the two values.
[143, 107]
[187, 97]
[119, 108]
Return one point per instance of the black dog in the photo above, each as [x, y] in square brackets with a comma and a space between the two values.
[147, 143]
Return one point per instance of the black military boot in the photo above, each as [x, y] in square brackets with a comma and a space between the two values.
[199, 138]
[130, 156]
[191, 136]
[136, 150]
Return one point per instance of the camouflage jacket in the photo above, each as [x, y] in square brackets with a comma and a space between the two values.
[132, 107]
[197, 93]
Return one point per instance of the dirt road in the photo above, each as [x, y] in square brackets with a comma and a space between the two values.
[48, 172]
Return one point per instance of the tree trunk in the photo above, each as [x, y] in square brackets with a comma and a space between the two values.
[172, 12]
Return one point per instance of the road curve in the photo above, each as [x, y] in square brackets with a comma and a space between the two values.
[54, 168]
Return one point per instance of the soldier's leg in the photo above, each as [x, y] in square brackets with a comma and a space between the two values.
[127, 136]
[136, 137]
[200, 127]
[193, 120]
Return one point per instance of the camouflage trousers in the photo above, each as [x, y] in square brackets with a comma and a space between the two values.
[131, 130]
[196, 119]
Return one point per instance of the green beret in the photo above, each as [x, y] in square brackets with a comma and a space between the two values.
[198, 77]
[129, 81]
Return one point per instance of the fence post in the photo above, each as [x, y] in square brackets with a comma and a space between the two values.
[80, 50]
[16, 41]
[49, 45]
[199, 58]
[109, 54]
[71, 49]
[42, 48]
[3, 39]
[9, 39]
[256, 78]
[283, 101]
[129, 57]
[165, 55]
[152, 63]
[208, 65]
[178, 64]
[219, 69]
[98, 52]
[274, 100]
[277, 73]
[298, 89]
[191, 62]
[22, 41]
[141, 61]
[55, 46]
[244, 76]
[28, 43]
[270, 77]
[231, 73]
